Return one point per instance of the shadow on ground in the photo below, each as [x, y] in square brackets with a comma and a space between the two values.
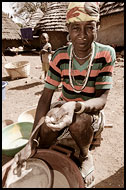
[114, 181]
[27, 86]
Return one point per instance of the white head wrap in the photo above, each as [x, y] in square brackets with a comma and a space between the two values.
[83, 11]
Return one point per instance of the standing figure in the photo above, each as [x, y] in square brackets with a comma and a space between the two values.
[45, 53]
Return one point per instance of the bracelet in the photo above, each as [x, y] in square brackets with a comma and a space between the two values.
[82, 108]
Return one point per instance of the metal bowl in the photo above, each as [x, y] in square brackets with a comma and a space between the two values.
[36, 174]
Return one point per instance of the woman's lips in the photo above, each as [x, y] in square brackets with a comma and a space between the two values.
[81, 44]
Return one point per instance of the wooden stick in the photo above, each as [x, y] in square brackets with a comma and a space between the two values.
[108, 126]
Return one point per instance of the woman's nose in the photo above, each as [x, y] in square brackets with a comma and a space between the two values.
[82, 33]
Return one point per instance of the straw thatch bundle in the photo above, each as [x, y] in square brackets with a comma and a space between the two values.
[54, 23]
[10, 30]
[34, 19]
[108, 8]
[55, 17]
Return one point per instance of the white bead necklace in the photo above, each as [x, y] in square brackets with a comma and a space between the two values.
[81, 58]
[88, 70]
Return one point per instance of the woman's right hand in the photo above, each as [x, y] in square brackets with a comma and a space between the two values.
[58, 118]
[15, 165]
[28, 151]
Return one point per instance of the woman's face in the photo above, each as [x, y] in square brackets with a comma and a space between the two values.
[82, 34]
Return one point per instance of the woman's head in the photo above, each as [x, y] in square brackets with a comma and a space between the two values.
[83, 22]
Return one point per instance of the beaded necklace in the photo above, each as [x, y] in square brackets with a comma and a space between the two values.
[71, 77]
[82, 57]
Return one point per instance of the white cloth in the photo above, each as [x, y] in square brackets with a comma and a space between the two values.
[46, 57]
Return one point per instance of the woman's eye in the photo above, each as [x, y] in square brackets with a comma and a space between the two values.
[90, 28]
[75, 28]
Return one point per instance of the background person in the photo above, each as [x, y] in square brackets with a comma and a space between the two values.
[45, 53]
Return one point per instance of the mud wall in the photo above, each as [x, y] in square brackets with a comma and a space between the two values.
[112, 30]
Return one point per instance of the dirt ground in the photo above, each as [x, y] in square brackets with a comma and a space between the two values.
[21, 94]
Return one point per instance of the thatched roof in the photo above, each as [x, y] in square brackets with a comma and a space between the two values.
[108, 8]
[55, 17]
[34, 18]
[10, 30]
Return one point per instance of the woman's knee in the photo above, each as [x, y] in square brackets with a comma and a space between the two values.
[81, 123]
[47, 136]
[44, 129]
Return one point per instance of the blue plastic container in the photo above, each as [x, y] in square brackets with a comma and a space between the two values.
[4, 83]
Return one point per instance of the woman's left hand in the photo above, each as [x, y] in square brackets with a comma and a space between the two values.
[58, 118]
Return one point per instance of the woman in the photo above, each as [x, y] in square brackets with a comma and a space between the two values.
[85, 69]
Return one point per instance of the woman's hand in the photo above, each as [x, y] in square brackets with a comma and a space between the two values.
[22, 156]
[14, 167]
[58, 118]
[29, 150]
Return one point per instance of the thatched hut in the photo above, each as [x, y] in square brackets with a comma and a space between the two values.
[11, 36]
[112, 24]
[53, 22]
[36, 16]
[34, 19]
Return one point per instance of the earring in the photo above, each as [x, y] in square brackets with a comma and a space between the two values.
[68, 37]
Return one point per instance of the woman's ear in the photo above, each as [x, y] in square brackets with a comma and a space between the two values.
[98, 26]
[67, 27]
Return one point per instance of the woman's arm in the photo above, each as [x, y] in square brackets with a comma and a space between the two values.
[30, 148]
[43, 51]
[95, 104]
[43, 105]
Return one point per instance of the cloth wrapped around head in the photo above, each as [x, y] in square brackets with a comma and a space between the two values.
[83, 11]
